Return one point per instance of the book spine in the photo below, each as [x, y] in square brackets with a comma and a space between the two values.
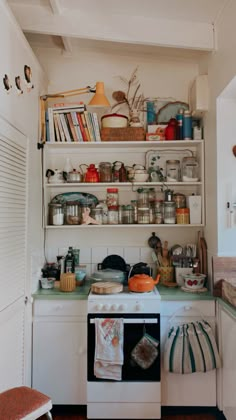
[62, 135]
[96, 126]
[68, 127]
[67, 108]
[47, 126]
[65, 128]
[57, 134]
[72, 127]
[84, 124]
[76, 125]
[51, 125]
[89, 125]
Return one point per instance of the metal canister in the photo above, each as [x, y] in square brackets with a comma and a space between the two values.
[187, 125]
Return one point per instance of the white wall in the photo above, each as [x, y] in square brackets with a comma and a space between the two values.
[22, 111]
[220, 135]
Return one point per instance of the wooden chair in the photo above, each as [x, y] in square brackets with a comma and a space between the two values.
[23, 403]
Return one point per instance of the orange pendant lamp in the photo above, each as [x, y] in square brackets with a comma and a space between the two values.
[99, 99]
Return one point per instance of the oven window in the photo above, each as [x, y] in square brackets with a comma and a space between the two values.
[133, 334]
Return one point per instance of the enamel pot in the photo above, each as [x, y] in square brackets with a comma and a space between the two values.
[142, 283]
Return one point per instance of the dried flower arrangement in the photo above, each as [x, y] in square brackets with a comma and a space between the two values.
[132, 97]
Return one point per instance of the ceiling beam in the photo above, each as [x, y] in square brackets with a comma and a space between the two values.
[116, 28]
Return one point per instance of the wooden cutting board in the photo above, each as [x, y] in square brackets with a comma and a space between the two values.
[106, 287]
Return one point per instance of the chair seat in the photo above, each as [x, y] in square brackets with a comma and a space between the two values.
[23, 403]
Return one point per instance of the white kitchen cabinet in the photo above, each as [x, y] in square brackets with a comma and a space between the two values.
[129, 152]
[227, 377]
[196, 389]
[60, 350]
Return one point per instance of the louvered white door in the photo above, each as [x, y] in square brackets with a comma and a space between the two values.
[13, 240]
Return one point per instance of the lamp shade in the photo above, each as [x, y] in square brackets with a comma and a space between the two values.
[99, 99]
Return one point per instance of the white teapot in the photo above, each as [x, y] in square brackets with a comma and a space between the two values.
[55, 176]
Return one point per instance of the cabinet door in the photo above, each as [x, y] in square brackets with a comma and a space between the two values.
[228, 334]
[60, 361]
[196, 389]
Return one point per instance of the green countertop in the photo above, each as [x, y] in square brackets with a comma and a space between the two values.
[175, 293]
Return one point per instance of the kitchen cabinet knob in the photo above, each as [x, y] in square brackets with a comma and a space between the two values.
[114, 307]
[122, 307]
[106, 307]
[98, 307]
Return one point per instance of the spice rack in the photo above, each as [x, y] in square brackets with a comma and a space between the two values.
[130, 152]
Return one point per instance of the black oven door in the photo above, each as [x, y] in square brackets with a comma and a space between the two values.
[135, 327]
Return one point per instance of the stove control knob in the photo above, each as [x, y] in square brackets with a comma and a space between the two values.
[98, 307]
[106, 307]
[122, 307]
[139, 306]
[114, 307]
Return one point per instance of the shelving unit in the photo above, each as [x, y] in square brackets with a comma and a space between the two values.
[129, 152]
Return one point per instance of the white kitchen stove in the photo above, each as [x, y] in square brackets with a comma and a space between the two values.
[125, 301]
[138, 394]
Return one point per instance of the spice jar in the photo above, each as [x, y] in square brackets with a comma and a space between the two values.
[73, 213]
[143, 197]
[173, 170]
[105, 172]
[112, 197]
[190, 169]
[56, 214]
[128, 214]
[182, 216]
[159, 212]
[134, 204]
[143, 215]
[169, 212]
[113, 215]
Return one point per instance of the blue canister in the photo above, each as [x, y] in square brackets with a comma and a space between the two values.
[179, 118]
[187, 125]
[151, 112]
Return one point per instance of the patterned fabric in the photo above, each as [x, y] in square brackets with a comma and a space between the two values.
[16, 403]
[190, 348]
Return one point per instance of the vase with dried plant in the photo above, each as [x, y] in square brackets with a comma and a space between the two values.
[132, 98]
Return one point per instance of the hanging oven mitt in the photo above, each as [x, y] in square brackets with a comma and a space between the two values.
[146, 351]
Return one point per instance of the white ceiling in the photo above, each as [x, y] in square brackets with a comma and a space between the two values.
[72, 24]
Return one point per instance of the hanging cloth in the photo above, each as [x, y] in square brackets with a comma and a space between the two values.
[191, 347]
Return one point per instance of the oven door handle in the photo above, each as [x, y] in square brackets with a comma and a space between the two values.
[132, 320]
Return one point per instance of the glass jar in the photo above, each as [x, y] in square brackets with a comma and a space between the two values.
[173, 170]
[143, 215]
[182, 216]
[56, 214]
[96, 214]
[113, 215]
[73, 213]
[180, 200]
[112, 197]
[169, 212]
[128, 215]
[105, 171]
[190, 169]
[159, 212]
[103, 205]
[143, 197]
[134, 204]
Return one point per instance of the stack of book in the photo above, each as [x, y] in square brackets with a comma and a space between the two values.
[71, 123]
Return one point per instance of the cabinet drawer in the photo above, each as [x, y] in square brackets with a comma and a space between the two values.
[188, 308]
[60, 308]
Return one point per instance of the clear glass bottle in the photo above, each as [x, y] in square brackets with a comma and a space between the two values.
[169, 212]
[103, 205]
[56, 214]
[134, 204]
[113, 215]
[128, 215]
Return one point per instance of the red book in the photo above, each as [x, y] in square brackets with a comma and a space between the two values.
[83, 127]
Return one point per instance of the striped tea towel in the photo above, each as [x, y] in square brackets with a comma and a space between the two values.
[191, 347]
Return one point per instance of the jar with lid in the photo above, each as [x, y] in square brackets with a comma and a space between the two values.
[143, 197]
[96, 214]
[182, 216]
[159, 212]
[105, 171]
[56, 214]
[103, 205]
[173, 170]
[128, 215]
[112, 197]
[143, 215]
[73, 213]
[113, 215]
[180, 200]
[190, 169]
[134, 204]
[169, 212]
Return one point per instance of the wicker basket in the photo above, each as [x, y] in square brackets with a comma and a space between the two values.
[67, 282]
[123, 134]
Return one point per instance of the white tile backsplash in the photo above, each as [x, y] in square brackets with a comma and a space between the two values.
[116, 250]
[98, 254]
[132, 255]
[146, 255]
[85, 255]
